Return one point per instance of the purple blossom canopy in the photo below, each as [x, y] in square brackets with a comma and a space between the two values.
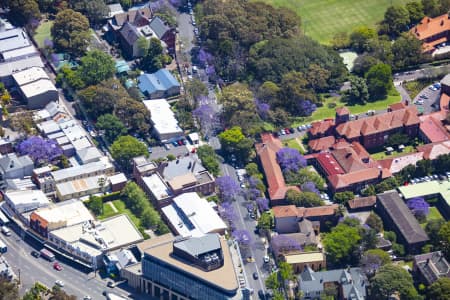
[253, 182]
[205, 114]
[54, 58]
[290, 159]
[418, 206]
[282, 243]
[205, 57]
[226, 211]
[48, 43]
[262, 109]
[263, 204]
[242, 236]
[309, 186]
[306, 107]
[39, 150]
[253, 193]
[228, 188]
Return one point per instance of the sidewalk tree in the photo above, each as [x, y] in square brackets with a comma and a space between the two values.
[233, 141]
[125, 148]
[272, 281]
[8, 289]
[228, 188]
[112, 126]
[209, 159]
[70, 32]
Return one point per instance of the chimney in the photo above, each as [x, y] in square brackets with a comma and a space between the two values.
[428, 261]
[193, 166]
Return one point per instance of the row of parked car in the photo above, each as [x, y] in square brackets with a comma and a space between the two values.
[291, 130]
[430, 178]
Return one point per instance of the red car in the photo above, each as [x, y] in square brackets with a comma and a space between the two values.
[57, 266]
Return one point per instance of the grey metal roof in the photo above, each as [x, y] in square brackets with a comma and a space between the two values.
[13, 39]
[199, 245]
[12, 162]
[182, 166]
[402, 217]
[158, 27]
[446, 80]
[129, 33]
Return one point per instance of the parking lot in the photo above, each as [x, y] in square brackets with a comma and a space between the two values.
[431, 178]
[427, 101]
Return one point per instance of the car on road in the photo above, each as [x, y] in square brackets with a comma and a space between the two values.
[110, 284]
[87, 298]
[59, 283]
[261, 295]
[255, 276]
[423, 96]
[57, 266]
[35, 253]
[291, 130]
[266, 259]
[243, 185]
[6, 231]
[252, 216]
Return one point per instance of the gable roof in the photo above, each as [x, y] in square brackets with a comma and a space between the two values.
[433, 150]
[129, 33]
[131, 15]
[432, 266]
[162, 80]
[321, 144]
[267, 151]
[396, 164]
[158, 27]
[428, 27]
[321, 127]
[402, 217]
[433, 129]
[362, 202]
[340, 111]
[285, 211]
[379, 123]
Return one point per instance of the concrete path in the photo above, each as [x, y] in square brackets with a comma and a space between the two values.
[112, 206]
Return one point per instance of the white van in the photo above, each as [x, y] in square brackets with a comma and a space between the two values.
[6, 231]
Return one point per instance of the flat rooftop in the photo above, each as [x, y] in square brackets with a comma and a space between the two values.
[162, 116]
[73, 172]
[223, 278]
[79, 185]
[71, 212]
[157, 186]
[424, 189]
[38, 87]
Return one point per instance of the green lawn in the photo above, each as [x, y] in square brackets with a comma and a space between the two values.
[329, 112]
[107, 212]
[433, 214]
[120, 205]
[43, 32]
[293, 143]
[415, 87]
[322, 19]
[383, 155]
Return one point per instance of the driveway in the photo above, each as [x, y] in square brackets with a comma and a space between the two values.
[430, 100]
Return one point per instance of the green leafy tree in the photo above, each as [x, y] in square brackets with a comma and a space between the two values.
[268, 92]
[379, 81]
[95, 11]
[390, 279]
[196, 89]
[407, 51]
[239, 107]
[340, 244]
[415, 11]
[96, 66]
[8, 290]
[444, 236]
[95, 204]
[286, 271]
[398, 139]
[143, 46]
[358, 92]
[359, 38]
[112, 126]
[23, 11]
[253, 170]
[233, 141]
[432, 229]
[396, 20]
[125, 148]
[72, 78]
[265, 221]
[381, 254]
[431, 8]
[439, 290]
[209, 159]
[375, 222]
[344, 197]
[305, 199]
[424, 167]
[70, 32]
[154, 58]
[272, 281]
[390, 236]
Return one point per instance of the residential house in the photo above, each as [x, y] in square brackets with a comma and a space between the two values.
[362, 203]
[287, 217]
[267, 155]
[138, 17]
[165, 124]
[114, 9]
[374, 131]
[36, 87]
[349, 284]
[299, 261]
[397, 216]
[163, 32]
[13, 167]
[429, 267]
[432, 32]
[161, 84]
[192, 268]
[128, 37]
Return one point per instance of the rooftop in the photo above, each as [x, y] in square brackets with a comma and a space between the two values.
[7, 68]
[433, 129]
[13, 39]
[181, 166]
[433, 150]
[362, 202]
[283, 211]
[163, 118]
[24, 197]
[267, 151]
[222, 278]
[396, 164]
[157, 186]
[429, 27]
[162, 80]
[321, 144]
[432, 266]
[192, 216]
[76, 171]
[425, 189]
[304, 257]
[400, 214]
[321, 127]
[67, 213]
[89, 154]
[158, 27]
[75, 186]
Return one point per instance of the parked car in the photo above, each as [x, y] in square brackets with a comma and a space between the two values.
[35, 253]
[59, 283]
[243, 185]
[255, 276]
[110, 284]
[266, 259]
[6, 231]
[291, 130]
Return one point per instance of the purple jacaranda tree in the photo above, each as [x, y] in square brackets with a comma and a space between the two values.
[205, 115]
[262, 109]
[176, 3]
[418, 206]
[157, 5]
[306, 107]
[309, 186]
[263, 204]
[205, 57]
[253, 193]
[242, 236]
[226, 211]
[39, 150]
[48, 43]
[54, 59]
[228, 188]
[290, 159]
[282, 244]
[253, 182]
[210, 71]
[250, 207]
[33, 23]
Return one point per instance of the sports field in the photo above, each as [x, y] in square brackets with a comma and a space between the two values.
[322, 19]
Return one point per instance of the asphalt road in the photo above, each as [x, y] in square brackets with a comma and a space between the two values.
[257, 250]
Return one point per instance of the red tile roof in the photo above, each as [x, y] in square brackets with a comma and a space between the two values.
[397, 106]
[396, 164]
[348, 159]
[444, 102]
[433, 150]
[433, 129]
[341, 143]
[362, 202]
[321, 144]
[341, 181]
[321, 127]
[329, 164]
[379, 123]
[267, 151]
[340, 111]
[285, 211]
[430, 28]
[360, 150]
